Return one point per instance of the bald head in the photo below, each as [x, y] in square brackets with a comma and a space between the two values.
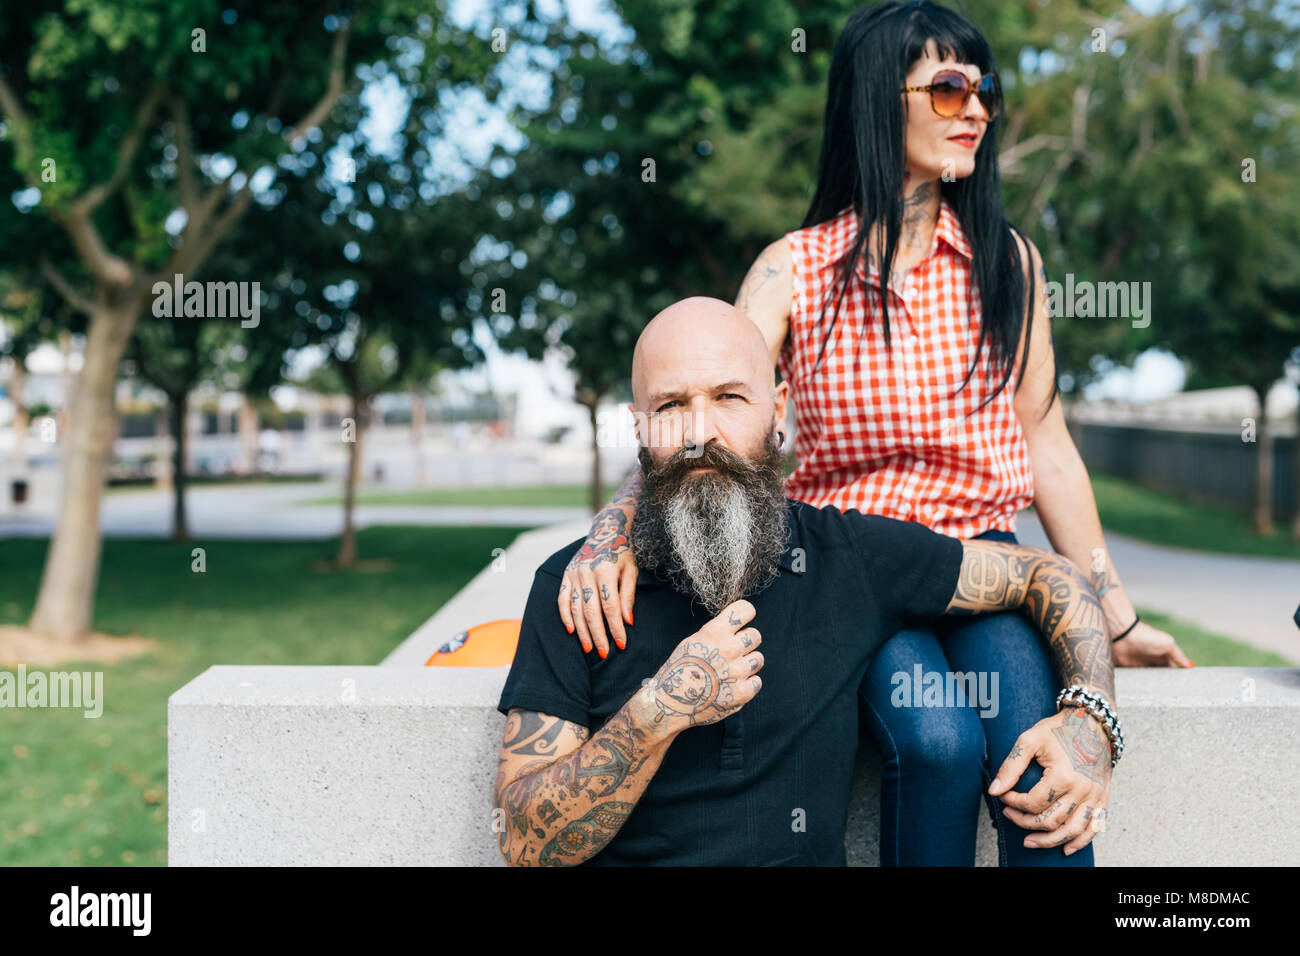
[691, 337]
[701, 375]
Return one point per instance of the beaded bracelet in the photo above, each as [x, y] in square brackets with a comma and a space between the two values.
[1100, 708]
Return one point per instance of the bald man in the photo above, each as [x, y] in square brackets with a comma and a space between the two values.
[725, 731]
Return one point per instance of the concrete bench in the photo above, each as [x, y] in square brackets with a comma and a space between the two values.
[393, 765]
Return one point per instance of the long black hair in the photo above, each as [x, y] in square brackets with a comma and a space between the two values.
[862, 164]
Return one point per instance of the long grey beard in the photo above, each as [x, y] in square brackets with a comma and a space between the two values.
[717, 536]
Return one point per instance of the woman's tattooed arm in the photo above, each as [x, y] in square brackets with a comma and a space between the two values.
[610, 528]
[1053, 593]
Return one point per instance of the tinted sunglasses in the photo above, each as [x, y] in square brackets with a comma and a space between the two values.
[949, 91]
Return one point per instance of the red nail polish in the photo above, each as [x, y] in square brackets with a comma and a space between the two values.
[603, 653]
[569, 628]
[622, 645]
[629, 618]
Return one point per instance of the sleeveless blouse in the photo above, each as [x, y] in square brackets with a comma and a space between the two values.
[888, 436]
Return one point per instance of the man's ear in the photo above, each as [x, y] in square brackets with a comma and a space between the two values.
[779, 396]
[638, 419]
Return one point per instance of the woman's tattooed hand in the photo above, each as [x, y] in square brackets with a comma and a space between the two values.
[599, 584]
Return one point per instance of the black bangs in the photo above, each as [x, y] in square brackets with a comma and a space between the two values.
[953, 36]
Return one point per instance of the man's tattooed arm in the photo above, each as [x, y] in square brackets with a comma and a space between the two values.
[565, 807]
[1053, 593]
[564, 810]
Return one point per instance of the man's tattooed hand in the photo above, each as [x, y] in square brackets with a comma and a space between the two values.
[710, 674]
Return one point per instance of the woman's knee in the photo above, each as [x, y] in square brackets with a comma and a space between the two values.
[942, 740]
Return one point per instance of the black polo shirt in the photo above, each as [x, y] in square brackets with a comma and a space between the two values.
[770, 784]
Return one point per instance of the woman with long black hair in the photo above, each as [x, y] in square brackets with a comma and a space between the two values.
[924, 390]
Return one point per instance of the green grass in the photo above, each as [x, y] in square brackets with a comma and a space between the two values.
[94, 791]
[1165, 519]
[1212, 650]
[224, 482]
[576, 496]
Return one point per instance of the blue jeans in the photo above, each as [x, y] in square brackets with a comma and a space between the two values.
[940, 760]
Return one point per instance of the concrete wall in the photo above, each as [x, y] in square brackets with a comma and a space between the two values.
[394, 765]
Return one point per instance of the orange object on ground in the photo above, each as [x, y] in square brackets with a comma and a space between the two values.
[487, 645]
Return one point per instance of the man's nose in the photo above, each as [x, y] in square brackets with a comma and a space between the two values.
[698, 429]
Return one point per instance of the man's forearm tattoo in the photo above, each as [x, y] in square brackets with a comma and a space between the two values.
[560, 813]
[1060, 601]
[584, 838]
[1054, 594]
[991, 579]
[527, 733]
[610, 528]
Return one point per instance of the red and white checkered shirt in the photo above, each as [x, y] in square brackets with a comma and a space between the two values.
[889, 438]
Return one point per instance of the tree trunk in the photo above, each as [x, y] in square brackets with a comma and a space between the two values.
[248, 434]
[179, 410]
[17, 384]
[187, 431]
[348, 545]
[597, 496]
[68, 381]
[417, 434]
[162, 479]
[1264, 467]
[65, 603]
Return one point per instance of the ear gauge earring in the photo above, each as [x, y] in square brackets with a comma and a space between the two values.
[780, 438]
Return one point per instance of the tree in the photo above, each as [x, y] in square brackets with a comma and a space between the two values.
[1232, 259]
[369, 273]
[144, 134]
[174, 355]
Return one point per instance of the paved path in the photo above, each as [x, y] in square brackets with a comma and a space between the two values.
[269, 511]
[1248, 598]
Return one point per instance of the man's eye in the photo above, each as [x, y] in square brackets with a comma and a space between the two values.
[732, 395]
[666, 405]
